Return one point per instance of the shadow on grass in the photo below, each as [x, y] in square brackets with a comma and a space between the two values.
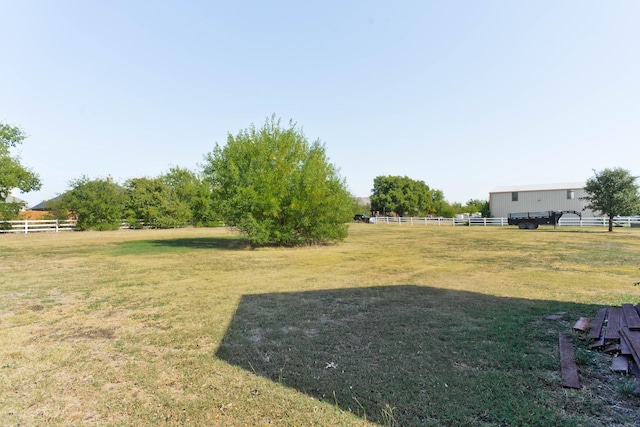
[412, 355]
[224, 243]
[569, 229]
[170, 245]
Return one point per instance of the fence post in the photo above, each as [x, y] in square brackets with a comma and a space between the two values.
[57, 226]
[26, 226]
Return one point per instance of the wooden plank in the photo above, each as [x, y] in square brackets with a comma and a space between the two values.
[582, 324]
[613, 325]
[620, 364]
[596, 327]
[567, 363]
[633, 340]
[631, 315]
[597, 344]
[625, 348]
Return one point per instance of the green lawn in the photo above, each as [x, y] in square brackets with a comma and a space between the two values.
[398, 325]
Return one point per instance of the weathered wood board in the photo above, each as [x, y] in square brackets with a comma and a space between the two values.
[567, 363]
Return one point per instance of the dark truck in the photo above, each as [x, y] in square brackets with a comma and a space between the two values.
[361, 218]
[531, 220]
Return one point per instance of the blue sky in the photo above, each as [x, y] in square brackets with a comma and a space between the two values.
[464, 95]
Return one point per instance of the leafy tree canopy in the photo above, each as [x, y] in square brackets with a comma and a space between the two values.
[277, 188]
[12, 173]
[192, 190]
[613, 192]
[155, 203]
[405, 196]
[174, 199]
[97, 204]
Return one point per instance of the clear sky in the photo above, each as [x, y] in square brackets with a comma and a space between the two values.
[463, 95]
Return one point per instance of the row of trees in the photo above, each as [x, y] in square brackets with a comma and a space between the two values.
[270, 183]
[612, 192]
[403, 196]
[275, 187]
[176, 198]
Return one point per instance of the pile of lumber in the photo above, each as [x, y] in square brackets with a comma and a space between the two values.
[616, 331]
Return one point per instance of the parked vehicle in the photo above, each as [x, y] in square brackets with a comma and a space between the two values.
[361, 218]
[531, 220]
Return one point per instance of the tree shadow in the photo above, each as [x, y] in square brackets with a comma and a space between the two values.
[223, 243]
[163, 245]
[410, 355]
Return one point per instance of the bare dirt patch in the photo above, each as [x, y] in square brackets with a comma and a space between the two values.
[92, 333]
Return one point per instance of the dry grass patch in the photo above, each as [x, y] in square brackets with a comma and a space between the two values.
[397, 325]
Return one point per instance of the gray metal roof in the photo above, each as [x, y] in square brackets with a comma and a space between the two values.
[42, 205]
[540, 187]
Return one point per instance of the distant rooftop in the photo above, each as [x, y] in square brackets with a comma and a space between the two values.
[540, 187]
[42, 206]
[13, 199]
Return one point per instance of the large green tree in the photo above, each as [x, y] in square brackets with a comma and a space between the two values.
[12, 173]
[613, 192]
[97, 204]
[405, 196]
[277, 188]
[441, 206]
[189, 188]
[153, 202]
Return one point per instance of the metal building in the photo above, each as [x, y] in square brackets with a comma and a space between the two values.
[535, 198]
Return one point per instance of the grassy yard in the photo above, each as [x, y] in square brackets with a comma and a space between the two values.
[398, 325]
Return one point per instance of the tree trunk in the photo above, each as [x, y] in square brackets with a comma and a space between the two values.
[610, 223]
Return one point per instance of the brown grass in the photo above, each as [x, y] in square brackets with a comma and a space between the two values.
[126, 327]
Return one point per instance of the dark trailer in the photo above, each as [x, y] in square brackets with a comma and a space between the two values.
[531, 220]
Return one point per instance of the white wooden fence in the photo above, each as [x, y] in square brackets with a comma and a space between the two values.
[501, 222]
[32, 226]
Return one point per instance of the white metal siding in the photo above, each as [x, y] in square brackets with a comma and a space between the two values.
[533, 201]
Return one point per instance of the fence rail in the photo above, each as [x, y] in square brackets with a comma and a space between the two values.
[501, 222]
[32, 226]
[35, 225]
[439, 221]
